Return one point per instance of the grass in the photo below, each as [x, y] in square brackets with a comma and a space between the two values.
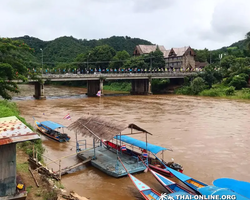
[59, 185]
[22, 167]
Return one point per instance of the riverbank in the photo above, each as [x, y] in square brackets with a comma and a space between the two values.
[218, 90]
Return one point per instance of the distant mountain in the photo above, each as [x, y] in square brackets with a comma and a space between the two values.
[65, 49]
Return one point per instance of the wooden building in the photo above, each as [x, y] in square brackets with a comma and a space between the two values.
[175, 58]
[12, 131]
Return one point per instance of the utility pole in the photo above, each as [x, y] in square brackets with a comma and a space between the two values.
[88, 62]
[42, 59]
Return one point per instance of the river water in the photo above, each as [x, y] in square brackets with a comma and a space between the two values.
[209, 136]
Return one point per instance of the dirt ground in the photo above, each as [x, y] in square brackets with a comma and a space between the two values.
[44, 191]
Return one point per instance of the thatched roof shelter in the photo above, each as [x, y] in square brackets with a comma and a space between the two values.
[100, 128]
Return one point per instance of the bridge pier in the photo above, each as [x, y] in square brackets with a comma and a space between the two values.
[141, 87]
[39, 91]
[94, 86]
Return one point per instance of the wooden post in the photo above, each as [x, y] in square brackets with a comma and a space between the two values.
[147, 146]
[60, 170]
[33, 151]
[36, 158]
[94, 147]
[120, 142]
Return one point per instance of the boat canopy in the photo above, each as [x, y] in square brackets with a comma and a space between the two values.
[216, 191]
[52, 125]
[138, 143]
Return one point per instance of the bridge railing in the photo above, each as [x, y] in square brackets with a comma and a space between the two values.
[114, 75]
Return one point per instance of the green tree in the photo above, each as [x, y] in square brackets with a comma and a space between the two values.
[158, 59]
[100, 56]
[136, 62]
[248, 40]
[13, 65]
[119, 59]
[197, 85]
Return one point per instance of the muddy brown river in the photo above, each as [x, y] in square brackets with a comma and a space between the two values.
[209, 136]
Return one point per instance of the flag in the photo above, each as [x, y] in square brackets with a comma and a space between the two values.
[145, 155]
[67, 117]
[99, 93]
[123, 148]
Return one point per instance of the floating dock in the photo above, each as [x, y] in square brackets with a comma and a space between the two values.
[106, 161]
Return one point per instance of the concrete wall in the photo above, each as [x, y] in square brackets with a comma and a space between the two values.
[7, 170]
[140, 87]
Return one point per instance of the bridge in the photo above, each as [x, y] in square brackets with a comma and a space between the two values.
[141, 82]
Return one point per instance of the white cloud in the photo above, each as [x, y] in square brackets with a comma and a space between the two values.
[172, 23]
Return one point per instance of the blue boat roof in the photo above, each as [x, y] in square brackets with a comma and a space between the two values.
[240, 187]
[179, 175]
[138, 143]
[213, 190]
[52, 125]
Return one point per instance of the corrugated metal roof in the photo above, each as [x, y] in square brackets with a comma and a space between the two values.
[12, 130]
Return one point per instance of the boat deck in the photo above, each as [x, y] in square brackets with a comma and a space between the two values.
[106, 161]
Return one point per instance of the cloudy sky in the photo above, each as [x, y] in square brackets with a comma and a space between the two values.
[172, 23]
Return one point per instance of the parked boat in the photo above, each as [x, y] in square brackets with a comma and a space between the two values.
[220, 193]
[150, 148]
[51, 130]
[147, 192]
[171, 186]
[241, 187]
[190, 182]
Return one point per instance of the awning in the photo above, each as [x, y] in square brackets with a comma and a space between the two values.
[52, 125]
[138, 143]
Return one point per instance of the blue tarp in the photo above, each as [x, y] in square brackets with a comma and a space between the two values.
[138, 143]
[52, 125]
[240, 187]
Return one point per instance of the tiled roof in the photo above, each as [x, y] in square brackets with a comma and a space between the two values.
[145, 49]
[180, 51]
[12, 130]
[166, 53]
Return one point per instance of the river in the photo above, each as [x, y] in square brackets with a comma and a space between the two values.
[209, 136]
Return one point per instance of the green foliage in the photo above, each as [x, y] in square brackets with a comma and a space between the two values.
[197, 85]
[119, 59]
[185, 90]
[136, 62]
[66, 49]
[213, 92]
[159, 85]
[13, 62]
[117, 86]
[239, 81]
[230, 91]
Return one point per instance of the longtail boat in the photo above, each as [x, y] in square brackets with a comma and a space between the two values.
[241, 187]
[171, 186]
[190, 182]
[50, 129]
[220, 193]
[147, 192]
[150, 148]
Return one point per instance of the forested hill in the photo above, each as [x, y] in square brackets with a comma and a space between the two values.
[66, 49]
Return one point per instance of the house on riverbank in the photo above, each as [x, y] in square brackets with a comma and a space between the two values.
[175, 58]
[12, 131]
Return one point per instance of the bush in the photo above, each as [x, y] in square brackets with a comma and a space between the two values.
[238, 82]
[230, 91]
[197, 85]
[212, 92]
[185, 90]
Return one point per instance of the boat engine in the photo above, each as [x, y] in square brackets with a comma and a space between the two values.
[175, 166]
